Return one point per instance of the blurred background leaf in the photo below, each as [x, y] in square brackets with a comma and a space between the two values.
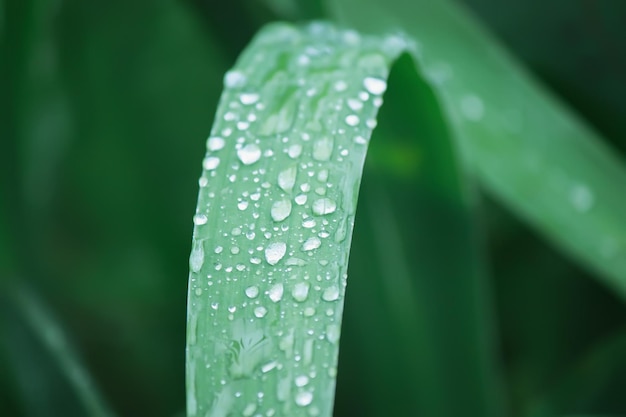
[104, 108]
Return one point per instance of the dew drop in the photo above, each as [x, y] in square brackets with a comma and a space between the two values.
[215, 143]
[311, 243]
[332, 333]
[274, 252]
[249, 410]
[324, 206]
[375, 86]
[304, 398]
[323, 149]
[210, 163]
[280, 210]
[260, 312]
[200, 219]
[276, 292]
[301, 380]
[300, 199]
[234, 79]
[331, 293]
[355, 104]
[294, 151]
[252, 291]
[360, 140]
[249, 154]
[352, 120]
[300, 291]
[242, 205]
[196, 259]
[248, 98]
[287, 179]
[309, 312]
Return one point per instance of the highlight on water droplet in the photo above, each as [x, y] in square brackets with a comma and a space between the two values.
[249, 154]
[248, 98]
[196, 259]
[274, 252]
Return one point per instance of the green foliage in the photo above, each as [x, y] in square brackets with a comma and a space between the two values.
[103, 114]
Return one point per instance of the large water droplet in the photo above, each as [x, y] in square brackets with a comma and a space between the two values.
[323, 149]
[280, 210]
[196, 259]
[215, 143]
[287, 179]
[249, 154]
[331, 293]
[252, 291]
[311, 243]
[276, 292]
[300, 291]
[260, 312]
[294, 151]
[375, 86]
[210, 163]
[248, 98]
[304, 398]
[324, 206]
[234, 79]
[200, 219]
[274, 252]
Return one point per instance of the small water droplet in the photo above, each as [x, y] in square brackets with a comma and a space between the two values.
[311, 243]
[269, 366]
[249, 154]
[301, 380]
[248, 98]
[309, 223]
[249, 410]
[352, 120]
[215, 143]
[324, 206]
[304, 398]
[331, 293]
[242, 205]
[276, 292]
[472, 107]
[355, 104]
[252, 291]
[300, 199]
[375, 86]
[309, 312]
[274, 252]
[332, 333]
[200, 219]
[294, 151]
[280, 210]
[287, 179]
[210, 163]
[260, 312]
[323, 149]
[196, 259]
[360, 140]
[300, 291]
[234, 79]
[341, 85]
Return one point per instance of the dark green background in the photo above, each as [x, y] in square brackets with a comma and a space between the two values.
[104, 110]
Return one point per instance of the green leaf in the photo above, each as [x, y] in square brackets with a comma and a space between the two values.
[525, 146]
[273, 229]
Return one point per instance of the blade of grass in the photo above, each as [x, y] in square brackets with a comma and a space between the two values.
[273, 226]
[525, 147]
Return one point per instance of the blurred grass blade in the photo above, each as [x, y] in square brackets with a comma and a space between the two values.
[525, 146]
[51, 336]
[273, 229]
